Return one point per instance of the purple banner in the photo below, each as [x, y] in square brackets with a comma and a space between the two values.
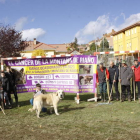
[75, 74]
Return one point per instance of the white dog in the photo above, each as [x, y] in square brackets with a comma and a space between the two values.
[47, 100]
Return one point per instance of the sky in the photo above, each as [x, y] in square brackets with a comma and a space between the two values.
[60, 21]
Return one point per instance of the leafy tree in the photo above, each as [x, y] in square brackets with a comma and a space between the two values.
[93, 47]
[39, 53]
[73, 46]
[104, 44]
[11, 42]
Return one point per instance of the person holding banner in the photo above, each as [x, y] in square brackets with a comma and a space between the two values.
[126, 74]
[102, 75]
[136, 70]
[12, 84]
[113, 80]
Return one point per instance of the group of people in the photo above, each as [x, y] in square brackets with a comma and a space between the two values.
[107, 79]
[8, 83]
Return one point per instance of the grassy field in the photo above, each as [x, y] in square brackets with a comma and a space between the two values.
[86, 121]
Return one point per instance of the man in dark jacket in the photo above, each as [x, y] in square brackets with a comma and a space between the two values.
[12, 84]
[102, 75]
[126, 74]
[113, 80]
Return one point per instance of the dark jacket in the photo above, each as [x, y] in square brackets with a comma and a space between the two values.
[112, 71]
[11, 77]
[126, 74]
[5, 83]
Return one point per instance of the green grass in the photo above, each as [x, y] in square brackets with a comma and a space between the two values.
[86, 121]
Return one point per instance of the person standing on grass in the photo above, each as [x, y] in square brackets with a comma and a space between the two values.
[126, 74]
[12, 84]
[102, 75]
[113, 79]
[136, 70]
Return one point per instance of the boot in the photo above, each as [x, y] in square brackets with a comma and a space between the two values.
[123, 98]
[102, 97]
[17, 103]
[129, 98]
[139, 100]
[10, 103]
[111, 98]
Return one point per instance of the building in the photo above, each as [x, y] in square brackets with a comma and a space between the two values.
[127, 39]
[50, 49]
[109, 38]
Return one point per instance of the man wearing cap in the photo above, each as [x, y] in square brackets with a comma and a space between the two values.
[126, 74]
[136, 70]
[102, 75]
[113, 80]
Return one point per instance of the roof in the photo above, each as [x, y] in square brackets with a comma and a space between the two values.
[127, 28]
[43, 46]
[60, 47]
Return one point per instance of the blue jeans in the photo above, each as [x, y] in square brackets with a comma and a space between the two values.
[102, 87]
[43, 109]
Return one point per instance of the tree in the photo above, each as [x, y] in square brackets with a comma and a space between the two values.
[104, 44]
[11, 42]
[38, 53]
[93, 47]
[73, 46]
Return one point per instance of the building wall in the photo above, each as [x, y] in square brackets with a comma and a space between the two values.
[60, 53]
[128, 40]
[49, 53]
[29, 54]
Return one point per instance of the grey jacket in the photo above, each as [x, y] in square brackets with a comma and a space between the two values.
[126, 74]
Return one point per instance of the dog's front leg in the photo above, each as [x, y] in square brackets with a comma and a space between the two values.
[55, 110]
[38, 113]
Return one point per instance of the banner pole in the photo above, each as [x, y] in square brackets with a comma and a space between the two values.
[78, 98]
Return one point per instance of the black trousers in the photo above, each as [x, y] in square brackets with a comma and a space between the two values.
[13, 90]
[124, 89]
[116, 89]
[138, 85]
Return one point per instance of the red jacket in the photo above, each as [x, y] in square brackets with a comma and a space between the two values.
[107, 75]
[137, 73]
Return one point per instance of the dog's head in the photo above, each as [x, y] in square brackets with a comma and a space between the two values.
[60, 94]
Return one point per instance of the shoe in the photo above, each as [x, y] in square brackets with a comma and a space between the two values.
[129, 98]
[117, 99]
[102, 100]
[139, 100]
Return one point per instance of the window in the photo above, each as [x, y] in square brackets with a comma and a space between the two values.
[130, 44]
[126, 33]
[121, 35]
[127, 45]
[135, 30]
[132, 31]
[116, 37]
[129, 32]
